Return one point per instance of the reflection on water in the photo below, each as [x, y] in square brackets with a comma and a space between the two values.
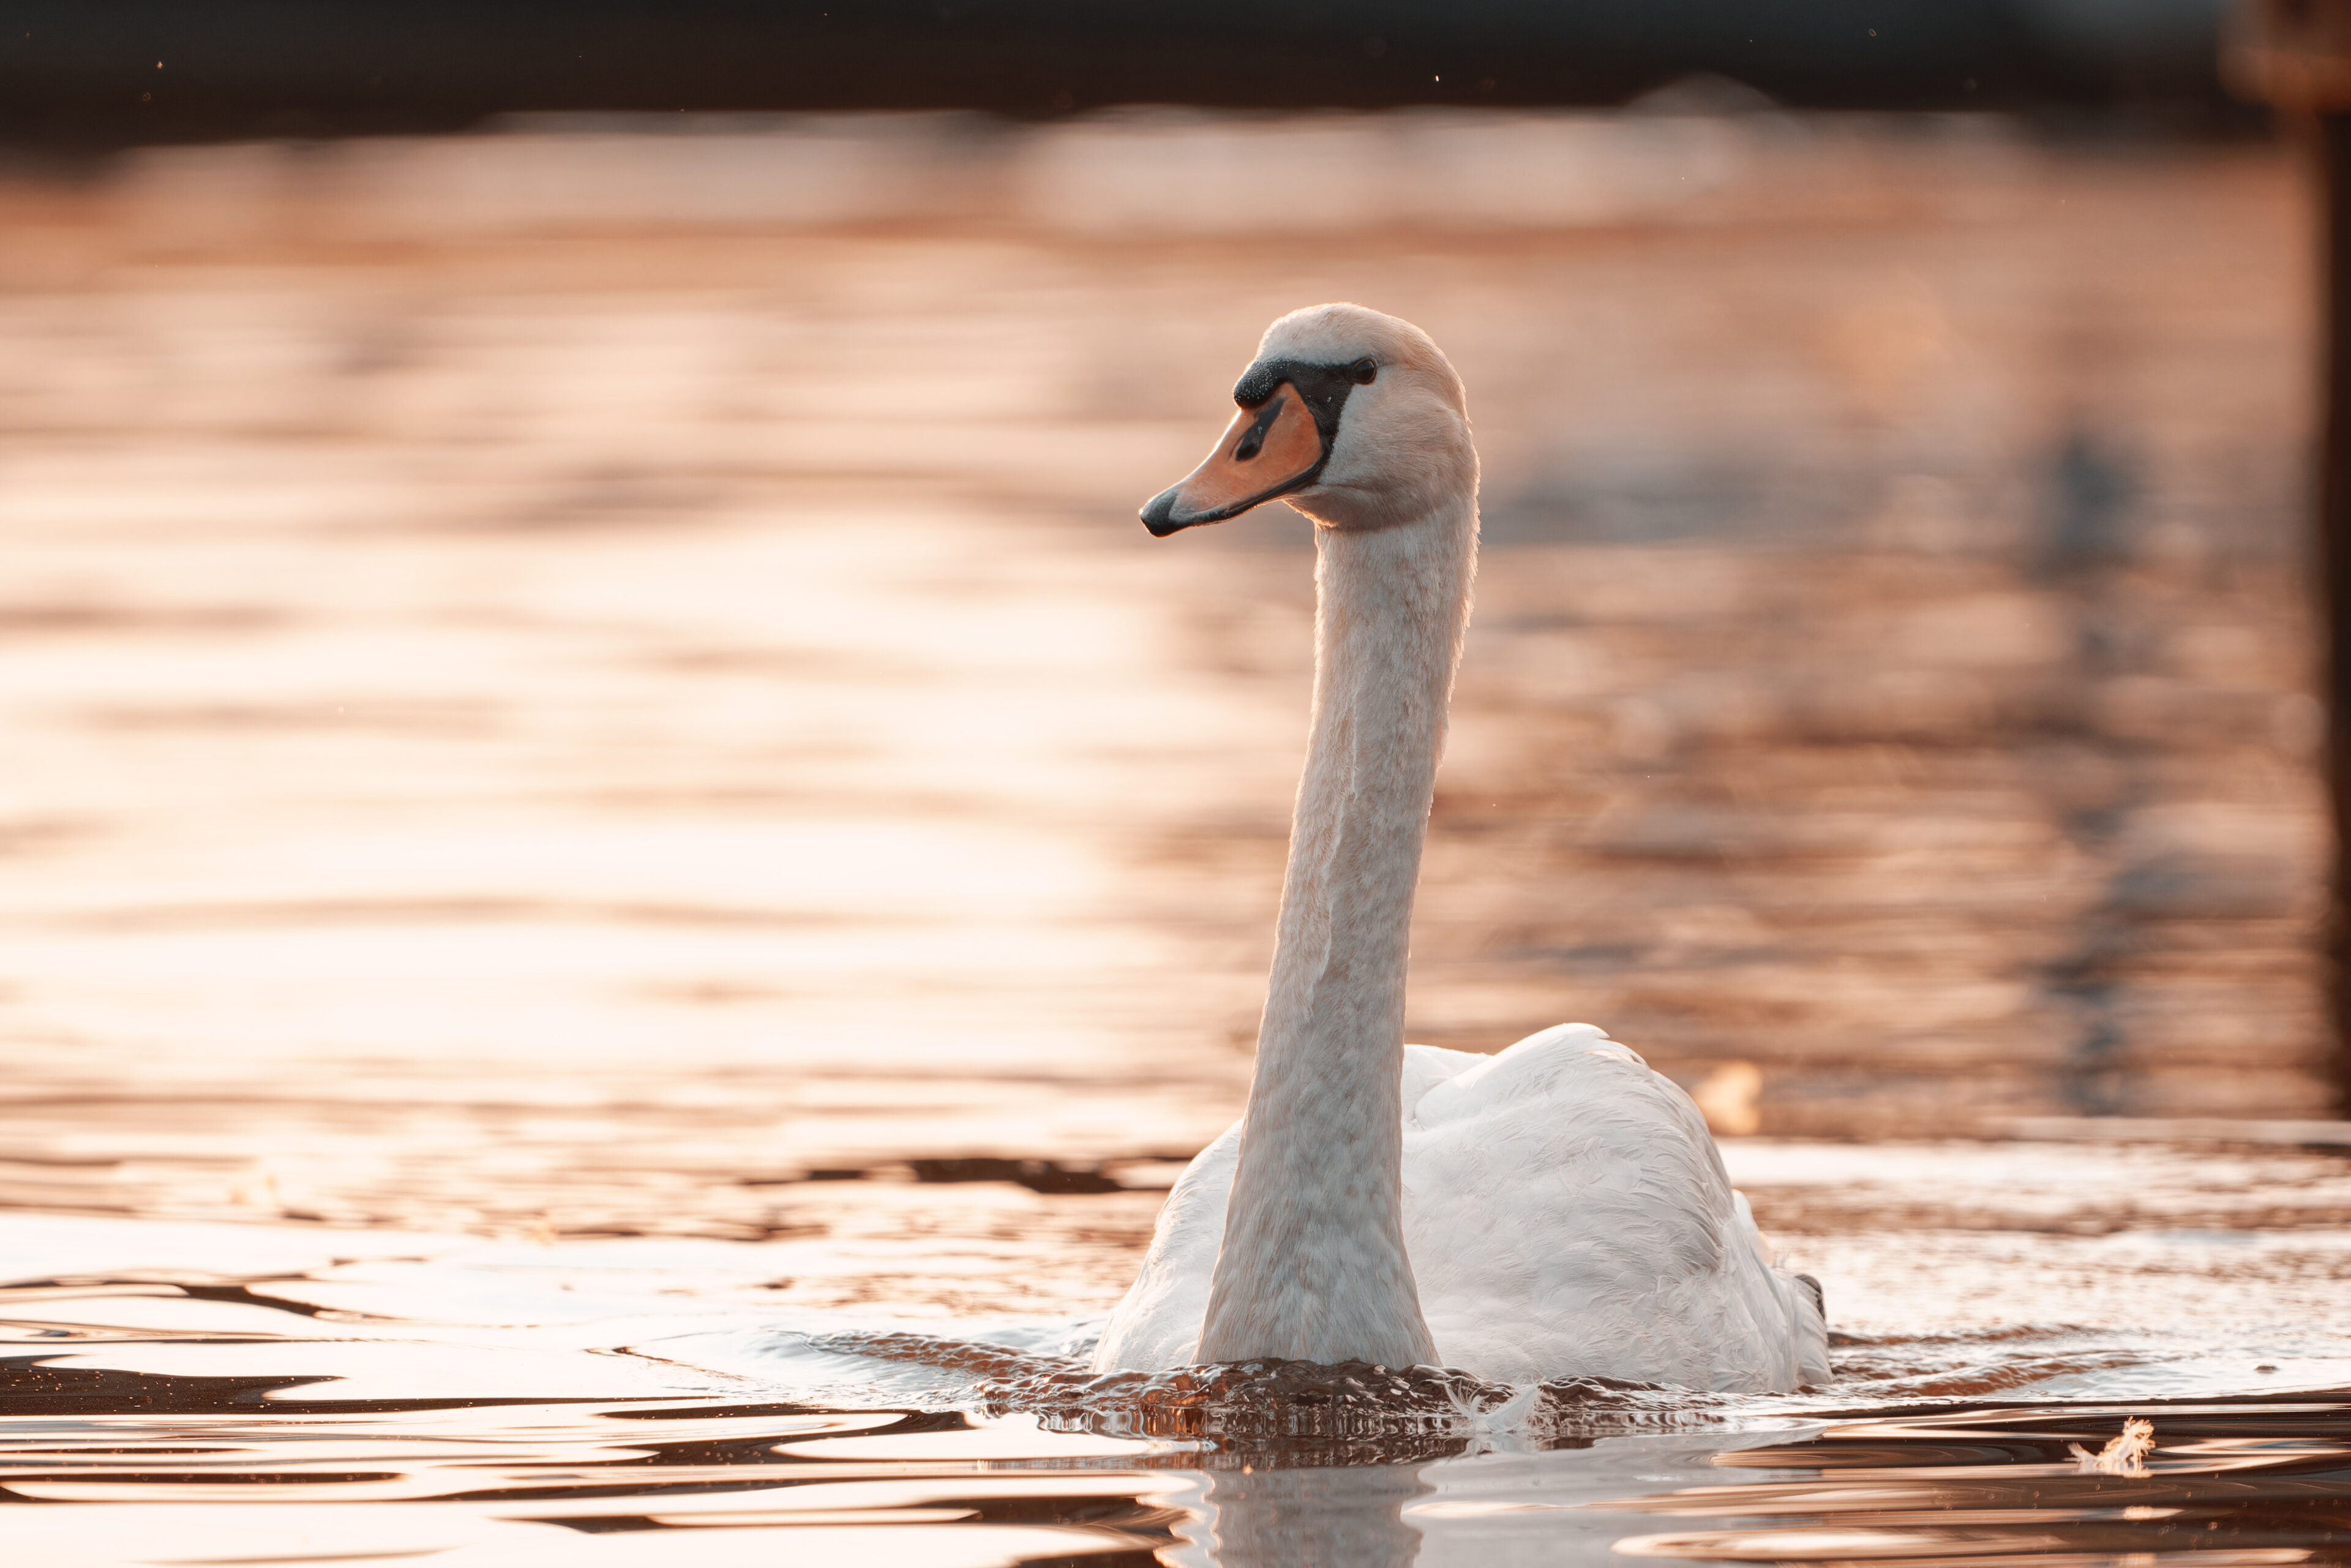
[2244, 1482]
[1273, 1515]
[626, 878]
[254, 1393]
[436, 671]
[283, 1464]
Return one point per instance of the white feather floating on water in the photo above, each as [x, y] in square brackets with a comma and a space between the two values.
[2123, 1455]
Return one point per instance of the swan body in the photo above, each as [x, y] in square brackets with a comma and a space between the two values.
[1566, 1214]
[1555, 1211]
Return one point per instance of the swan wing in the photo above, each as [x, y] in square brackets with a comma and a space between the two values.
[1567, 1213]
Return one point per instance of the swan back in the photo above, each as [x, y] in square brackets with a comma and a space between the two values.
[1565, 1176]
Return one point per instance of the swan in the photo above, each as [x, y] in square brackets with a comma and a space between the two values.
[1557, 1209]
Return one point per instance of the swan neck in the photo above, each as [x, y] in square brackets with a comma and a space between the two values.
[1388, 625]
[1313, 1264]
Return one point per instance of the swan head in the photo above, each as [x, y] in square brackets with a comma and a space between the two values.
[1354, 418]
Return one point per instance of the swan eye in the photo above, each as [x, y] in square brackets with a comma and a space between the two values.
[1363, 372]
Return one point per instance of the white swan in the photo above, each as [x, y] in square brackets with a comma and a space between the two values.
[1555, 1211]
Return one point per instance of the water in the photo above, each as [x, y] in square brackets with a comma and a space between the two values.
[217, 1393]
[626, 878]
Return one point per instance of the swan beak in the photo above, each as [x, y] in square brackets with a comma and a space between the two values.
[1266, 451]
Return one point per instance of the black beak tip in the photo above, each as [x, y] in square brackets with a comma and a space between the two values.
[1159, 515]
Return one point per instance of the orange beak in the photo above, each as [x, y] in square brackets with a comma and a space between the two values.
[1266, 451]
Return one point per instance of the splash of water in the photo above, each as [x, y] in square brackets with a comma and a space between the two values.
[1414, 1411]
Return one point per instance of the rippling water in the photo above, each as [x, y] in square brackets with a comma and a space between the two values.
[208, 1393]
[626, 878]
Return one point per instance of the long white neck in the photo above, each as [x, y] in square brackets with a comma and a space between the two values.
[1312, 1266]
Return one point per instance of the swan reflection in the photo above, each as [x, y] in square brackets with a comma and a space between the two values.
[1257, 1517]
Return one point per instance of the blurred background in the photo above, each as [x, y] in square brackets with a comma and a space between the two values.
[577, 649]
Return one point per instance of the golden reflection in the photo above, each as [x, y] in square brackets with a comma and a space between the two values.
[593, 758]
[446, 655]
[2247, 1483]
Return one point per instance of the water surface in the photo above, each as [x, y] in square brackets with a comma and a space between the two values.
[625, 877]
[210, 1392]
